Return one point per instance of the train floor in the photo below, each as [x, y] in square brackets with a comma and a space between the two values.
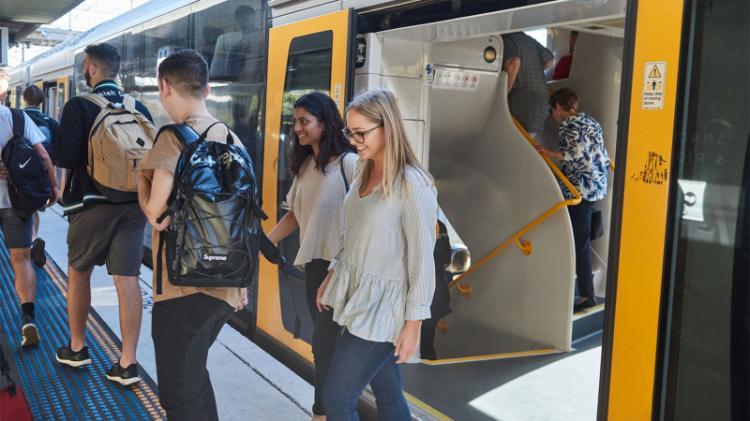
[248, 383]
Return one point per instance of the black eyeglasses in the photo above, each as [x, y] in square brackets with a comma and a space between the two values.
[358, 137]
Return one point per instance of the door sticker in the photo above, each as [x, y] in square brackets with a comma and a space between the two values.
[653, 85]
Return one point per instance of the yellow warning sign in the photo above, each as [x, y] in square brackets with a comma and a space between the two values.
[655, 74]
[653, 85]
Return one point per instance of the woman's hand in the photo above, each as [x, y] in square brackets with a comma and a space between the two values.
[322, 307]
[243, 299]
[408, 339]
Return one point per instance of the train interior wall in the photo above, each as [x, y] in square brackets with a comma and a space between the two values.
[491, 182]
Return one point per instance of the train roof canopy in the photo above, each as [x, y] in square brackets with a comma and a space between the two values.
[22, 17]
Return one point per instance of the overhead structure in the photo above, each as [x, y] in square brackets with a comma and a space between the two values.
[23, 17]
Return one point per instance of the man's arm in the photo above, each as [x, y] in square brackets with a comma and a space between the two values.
[153, 196]
[69, 141]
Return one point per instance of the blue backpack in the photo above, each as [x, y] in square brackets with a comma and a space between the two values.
[28, 185]
[43, 122]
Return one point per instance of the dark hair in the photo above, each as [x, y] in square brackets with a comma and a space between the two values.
[567, 99]
[187, 70]
[332, 141]
[106, 56]
[33, 95]
[243, 10]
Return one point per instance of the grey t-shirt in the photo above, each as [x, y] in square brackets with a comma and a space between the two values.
[528, 101]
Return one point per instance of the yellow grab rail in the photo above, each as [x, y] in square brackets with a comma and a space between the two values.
[516, 238]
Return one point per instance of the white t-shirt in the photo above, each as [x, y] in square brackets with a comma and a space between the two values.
[317, 201]
[31, 132]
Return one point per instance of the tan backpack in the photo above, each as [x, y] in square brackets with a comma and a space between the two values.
[119, 138]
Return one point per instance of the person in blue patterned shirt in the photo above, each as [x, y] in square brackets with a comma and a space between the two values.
[585, 162]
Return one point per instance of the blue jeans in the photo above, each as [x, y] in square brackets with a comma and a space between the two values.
[580, 218]
[357, 362]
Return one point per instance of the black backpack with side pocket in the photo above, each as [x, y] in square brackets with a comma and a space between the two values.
[28, 185]
[215, 233]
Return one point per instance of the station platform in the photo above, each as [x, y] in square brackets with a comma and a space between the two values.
[248, 383]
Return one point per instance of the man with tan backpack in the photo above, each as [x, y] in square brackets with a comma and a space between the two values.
[102, 138]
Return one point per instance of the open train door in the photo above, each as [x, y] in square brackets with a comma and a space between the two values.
[305, 56]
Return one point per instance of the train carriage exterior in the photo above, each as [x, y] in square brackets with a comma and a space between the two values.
[669, 81]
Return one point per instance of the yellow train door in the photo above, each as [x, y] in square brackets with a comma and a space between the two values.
[304, 56]
[677, 338]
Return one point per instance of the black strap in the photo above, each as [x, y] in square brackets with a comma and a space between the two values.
[343, 173]
[159, 265]
[185, 134]
[230, 138]
[19, 122]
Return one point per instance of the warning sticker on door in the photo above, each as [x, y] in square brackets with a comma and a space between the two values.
[653, 85]
[456, 79]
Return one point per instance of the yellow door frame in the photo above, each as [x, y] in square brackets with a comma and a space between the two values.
[279, 40]
[634, 299]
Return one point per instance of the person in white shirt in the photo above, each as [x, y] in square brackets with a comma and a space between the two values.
[17, 230]
[323, 164]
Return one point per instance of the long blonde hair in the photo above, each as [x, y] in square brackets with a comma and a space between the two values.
[381, 107]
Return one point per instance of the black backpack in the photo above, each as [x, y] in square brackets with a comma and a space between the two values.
[215, 234]
[43, 122]
[28, 186]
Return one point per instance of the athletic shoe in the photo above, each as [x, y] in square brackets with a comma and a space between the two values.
[29, 332]
[37, 253]
[124, 376]
[67, 356]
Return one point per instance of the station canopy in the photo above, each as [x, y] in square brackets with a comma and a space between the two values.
[22, 17]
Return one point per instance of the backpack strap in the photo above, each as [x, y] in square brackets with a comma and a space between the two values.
[19, 122]
[129, 103]
[185, 134]
[230, 138]
[343, 173]
[159, 264]
[98, 100]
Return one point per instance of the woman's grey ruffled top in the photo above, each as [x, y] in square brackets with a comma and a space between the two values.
[385, 272]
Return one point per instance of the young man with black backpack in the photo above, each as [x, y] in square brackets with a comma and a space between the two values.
[100, 198]
[15, 127]
[198, 282]
[33, 97]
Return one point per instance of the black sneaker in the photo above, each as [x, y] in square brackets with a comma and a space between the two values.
[584, 305]
[37, 253]
[124, 376]
[29, 332]
[67, 356]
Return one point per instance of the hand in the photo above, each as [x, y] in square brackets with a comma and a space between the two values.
[408, 339]
[322, 307]
[542, 150]
[54, 195]
[164, 224]
[3, 171]
[243, 299]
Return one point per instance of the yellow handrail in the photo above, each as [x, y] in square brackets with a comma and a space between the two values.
[516, 238]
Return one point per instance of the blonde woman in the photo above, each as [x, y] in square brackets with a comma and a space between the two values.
[380, 285]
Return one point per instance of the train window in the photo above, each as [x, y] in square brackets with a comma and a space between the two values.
[231, 36]
[308, 69]
[706, 371]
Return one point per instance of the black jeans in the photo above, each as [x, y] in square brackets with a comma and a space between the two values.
[183, 329]
[580, 218]
[324, 332]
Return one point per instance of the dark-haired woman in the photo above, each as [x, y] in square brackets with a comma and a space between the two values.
[316, 207]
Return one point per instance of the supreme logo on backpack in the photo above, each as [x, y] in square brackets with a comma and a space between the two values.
[118, 141]
[215, 233]
[28, 185]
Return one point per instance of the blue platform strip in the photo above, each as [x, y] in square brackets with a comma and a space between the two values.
[57, 392]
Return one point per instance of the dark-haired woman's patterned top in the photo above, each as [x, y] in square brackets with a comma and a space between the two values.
[585, 161]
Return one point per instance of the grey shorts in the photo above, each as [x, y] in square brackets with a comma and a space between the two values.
[16, 230]
[107, 233]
